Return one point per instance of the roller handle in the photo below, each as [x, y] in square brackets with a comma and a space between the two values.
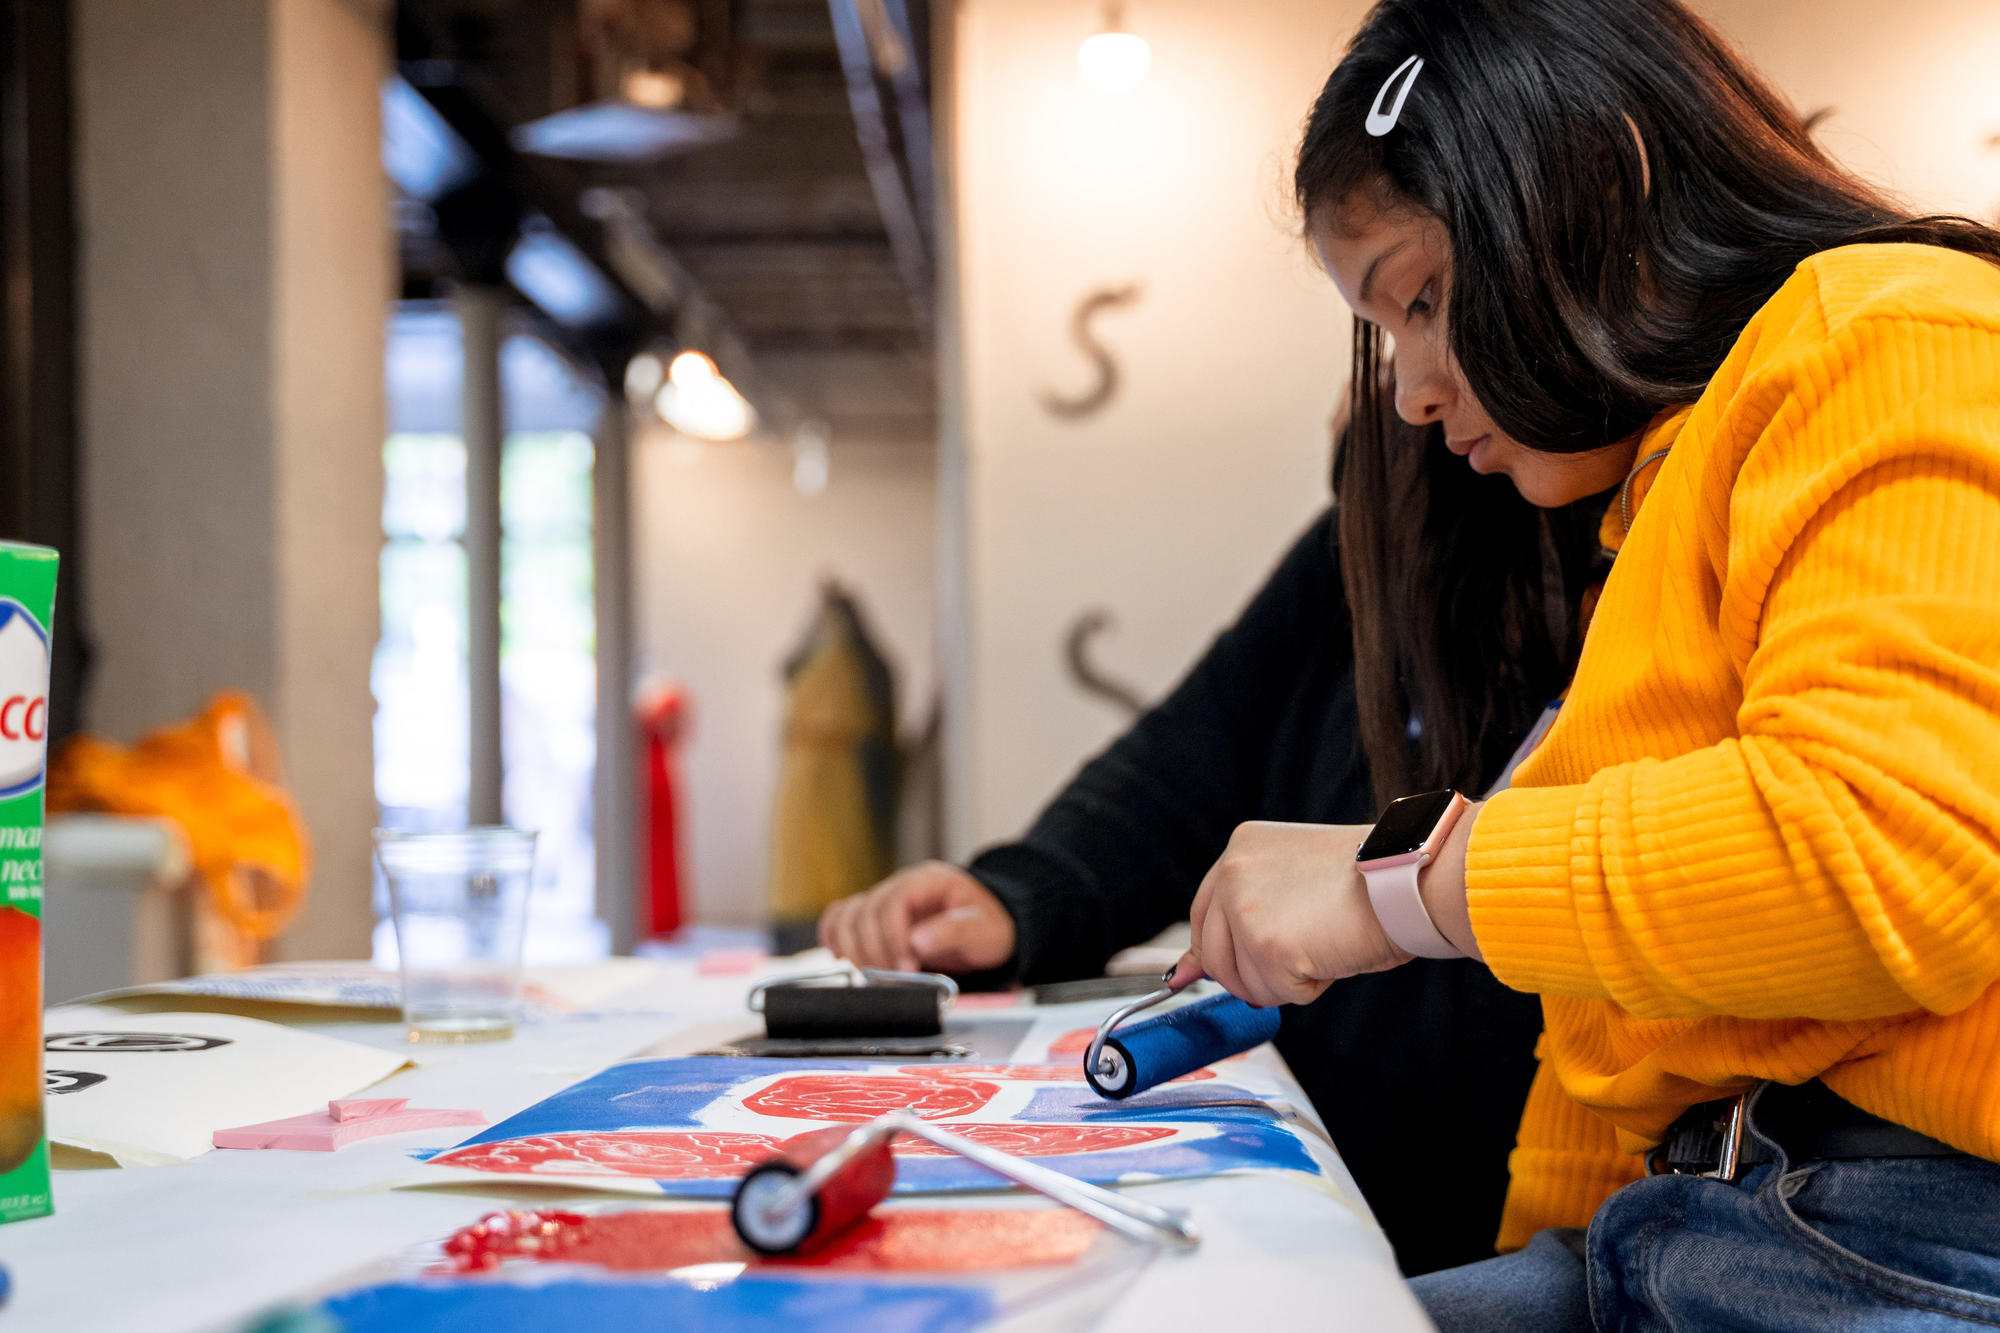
[1159, 1050]
[823, 1183]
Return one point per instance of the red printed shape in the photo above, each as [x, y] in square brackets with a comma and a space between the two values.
[861, 1097]
[1028, 1073]
[1074, 1042]
[1026, 1140]
[649, 1154]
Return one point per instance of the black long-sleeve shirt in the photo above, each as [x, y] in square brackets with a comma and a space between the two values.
[1419, 1072]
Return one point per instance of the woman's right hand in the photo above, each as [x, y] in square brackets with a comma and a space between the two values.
[931, 917]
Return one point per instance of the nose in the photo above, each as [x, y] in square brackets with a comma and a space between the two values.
[1422, 393]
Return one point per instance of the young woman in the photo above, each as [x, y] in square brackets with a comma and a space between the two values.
[1300, 711]
[1753, 870]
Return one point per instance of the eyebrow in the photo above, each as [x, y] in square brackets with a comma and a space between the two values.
[1368, 278]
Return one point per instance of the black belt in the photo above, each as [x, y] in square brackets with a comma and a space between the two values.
[1811, 1122]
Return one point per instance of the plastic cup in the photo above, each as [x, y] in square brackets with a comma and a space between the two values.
[460, 904]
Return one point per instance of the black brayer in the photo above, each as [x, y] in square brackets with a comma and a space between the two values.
[853, 1002]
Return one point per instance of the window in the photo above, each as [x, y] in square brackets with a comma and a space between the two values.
[548, 626]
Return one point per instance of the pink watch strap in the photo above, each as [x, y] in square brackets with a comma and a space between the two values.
[1399, 906]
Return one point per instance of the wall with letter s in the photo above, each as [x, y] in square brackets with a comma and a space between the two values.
[1169, 505]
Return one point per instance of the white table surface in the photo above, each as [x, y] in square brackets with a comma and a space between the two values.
[210, 1243]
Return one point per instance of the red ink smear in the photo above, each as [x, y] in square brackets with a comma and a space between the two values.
[652, 1154]
[509, 1235]
[1027, 1073]
[895, 1240]
[1041, 1140]
[1074, 1042]
[729, 962]
[862, 1097]
[957, 1240]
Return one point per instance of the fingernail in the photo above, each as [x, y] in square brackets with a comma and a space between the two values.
[921, 940]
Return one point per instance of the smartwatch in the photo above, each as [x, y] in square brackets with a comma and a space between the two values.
[1402, 843]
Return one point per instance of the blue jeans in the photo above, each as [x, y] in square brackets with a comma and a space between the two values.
[1892, 1243]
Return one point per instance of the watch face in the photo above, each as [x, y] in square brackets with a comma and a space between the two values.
[1405, 825]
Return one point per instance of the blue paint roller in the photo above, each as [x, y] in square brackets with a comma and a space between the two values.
[1123, 1062]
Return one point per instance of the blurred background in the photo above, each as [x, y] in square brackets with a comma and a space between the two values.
[754, 442]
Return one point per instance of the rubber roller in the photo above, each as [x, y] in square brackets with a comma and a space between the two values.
[823, 1183]
[869, 1002]
[844, 1198]
[1125, 1061]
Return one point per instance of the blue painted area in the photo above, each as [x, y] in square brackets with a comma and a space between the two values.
[670, 1094]
[648, 1094]
[834, 1306]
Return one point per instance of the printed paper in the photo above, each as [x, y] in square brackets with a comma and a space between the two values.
[694, 1126]
[151, 1089]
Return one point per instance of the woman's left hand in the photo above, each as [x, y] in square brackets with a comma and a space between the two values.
[1284, 913]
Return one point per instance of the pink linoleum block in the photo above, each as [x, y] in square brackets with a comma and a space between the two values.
[343, 1122]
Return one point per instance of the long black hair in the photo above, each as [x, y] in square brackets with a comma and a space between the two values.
[1447, 685]
[1621, 193]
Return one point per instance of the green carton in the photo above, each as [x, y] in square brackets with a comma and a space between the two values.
[27, 606]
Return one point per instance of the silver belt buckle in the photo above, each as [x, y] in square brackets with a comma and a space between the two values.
[1728, 1158]
[1732, 1142]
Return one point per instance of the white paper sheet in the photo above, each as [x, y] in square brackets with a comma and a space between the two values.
[355, 985]
[150, 1089]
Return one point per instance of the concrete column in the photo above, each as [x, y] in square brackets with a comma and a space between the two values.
[617, 757]
[235, 262]
[480, 313]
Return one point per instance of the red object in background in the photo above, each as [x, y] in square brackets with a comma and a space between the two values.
[661, 714]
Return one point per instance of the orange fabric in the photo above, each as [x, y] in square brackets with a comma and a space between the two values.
[1653, 448]
[196, 775]
[20, 1036]
[1762, 840]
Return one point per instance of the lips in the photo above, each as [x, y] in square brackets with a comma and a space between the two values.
[1472, 450]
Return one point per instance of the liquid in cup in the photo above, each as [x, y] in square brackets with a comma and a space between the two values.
[460, 902]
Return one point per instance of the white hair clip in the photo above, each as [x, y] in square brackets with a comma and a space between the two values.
[1380, 122]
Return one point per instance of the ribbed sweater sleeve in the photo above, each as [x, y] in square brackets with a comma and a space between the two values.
[1118, 854]
[1838, 857]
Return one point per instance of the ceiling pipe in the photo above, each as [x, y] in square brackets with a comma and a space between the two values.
[908, 240]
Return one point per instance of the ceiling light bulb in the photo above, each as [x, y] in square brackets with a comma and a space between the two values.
[643, 374]
[811, 459]
[696, 400]
[1114, 61]
[655, 89]
[690, 368]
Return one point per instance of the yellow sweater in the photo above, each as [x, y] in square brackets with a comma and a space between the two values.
[1762, 840]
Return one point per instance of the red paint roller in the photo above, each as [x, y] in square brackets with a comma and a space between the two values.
[824, 1183]
[858, 1181]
